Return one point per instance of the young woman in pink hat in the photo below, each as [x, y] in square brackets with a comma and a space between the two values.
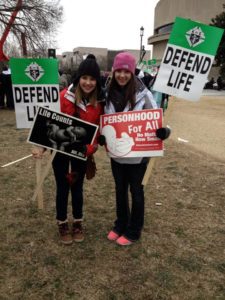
[125, 93]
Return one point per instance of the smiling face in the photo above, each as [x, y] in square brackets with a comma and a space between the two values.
[87, 84]
[122, 77]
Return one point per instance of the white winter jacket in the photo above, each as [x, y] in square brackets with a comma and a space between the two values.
[144, 100]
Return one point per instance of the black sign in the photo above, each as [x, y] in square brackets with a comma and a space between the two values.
[61, 132]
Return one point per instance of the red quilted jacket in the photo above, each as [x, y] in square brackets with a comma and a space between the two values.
[87, 113]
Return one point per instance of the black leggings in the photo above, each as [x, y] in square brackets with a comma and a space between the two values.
[61, 169]
[127, 177]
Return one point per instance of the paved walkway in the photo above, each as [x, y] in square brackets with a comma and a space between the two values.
[200, 123]
[213, 93]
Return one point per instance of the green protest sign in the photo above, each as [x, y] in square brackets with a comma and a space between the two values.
[195, 36]
[188, 58]
[147, 66]
[149, 62]
[35, 83]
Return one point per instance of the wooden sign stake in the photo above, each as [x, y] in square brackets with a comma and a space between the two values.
[42, 178]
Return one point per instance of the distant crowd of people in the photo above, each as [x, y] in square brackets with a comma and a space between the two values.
[219, 84]
[162, 99]
[66, 78]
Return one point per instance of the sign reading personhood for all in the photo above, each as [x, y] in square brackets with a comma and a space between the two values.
[188, 58]
[35, 82]
[133, 133]
[61, 132]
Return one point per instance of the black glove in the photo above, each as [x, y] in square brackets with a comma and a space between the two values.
[101, 140]
[163, 133]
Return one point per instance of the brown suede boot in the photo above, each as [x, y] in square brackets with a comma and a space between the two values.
[77, 231]
[64, 233]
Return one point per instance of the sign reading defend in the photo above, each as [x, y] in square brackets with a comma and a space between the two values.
[188, 58]
[35, 82]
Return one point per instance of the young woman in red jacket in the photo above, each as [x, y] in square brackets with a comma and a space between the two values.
[80, 99]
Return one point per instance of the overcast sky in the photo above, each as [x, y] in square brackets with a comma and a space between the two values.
[109, 24]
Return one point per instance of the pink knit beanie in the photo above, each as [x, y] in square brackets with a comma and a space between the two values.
[124, 61]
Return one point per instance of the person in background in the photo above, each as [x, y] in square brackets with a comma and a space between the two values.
[69, 76]
[219, 83]
[161, 99]
[63, 82]
[2, 93]
[147, 79]
[6, 87]
[80, 99]
[144, 76]
[127, 93]
[210, 84]
[140, 74]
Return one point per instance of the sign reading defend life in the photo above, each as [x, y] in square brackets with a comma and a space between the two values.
[35, 82]
[188, 58]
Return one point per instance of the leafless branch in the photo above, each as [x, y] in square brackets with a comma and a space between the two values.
[37, 19]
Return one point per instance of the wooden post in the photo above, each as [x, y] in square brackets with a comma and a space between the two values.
[38, 176]
[148, 170]
[15, 161]
[42, 177]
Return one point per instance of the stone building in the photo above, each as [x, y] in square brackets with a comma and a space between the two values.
[165, 12]
[69, 61]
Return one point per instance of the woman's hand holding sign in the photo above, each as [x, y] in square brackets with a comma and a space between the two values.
[163, 133]
[38, 152]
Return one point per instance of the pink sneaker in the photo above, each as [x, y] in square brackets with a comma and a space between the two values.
[112, 236]
[122, 241]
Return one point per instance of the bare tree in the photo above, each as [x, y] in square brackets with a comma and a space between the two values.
[219, 21]
[35, 25]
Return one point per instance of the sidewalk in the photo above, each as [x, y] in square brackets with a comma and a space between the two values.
[213, 93]
[201, 123]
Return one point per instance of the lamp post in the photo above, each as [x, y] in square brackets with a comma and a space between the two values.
[141, 35]
[143, 52]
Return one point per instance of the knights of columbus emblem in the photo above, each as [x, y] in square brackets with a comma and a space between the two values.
[34, 71]
[195, 36]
